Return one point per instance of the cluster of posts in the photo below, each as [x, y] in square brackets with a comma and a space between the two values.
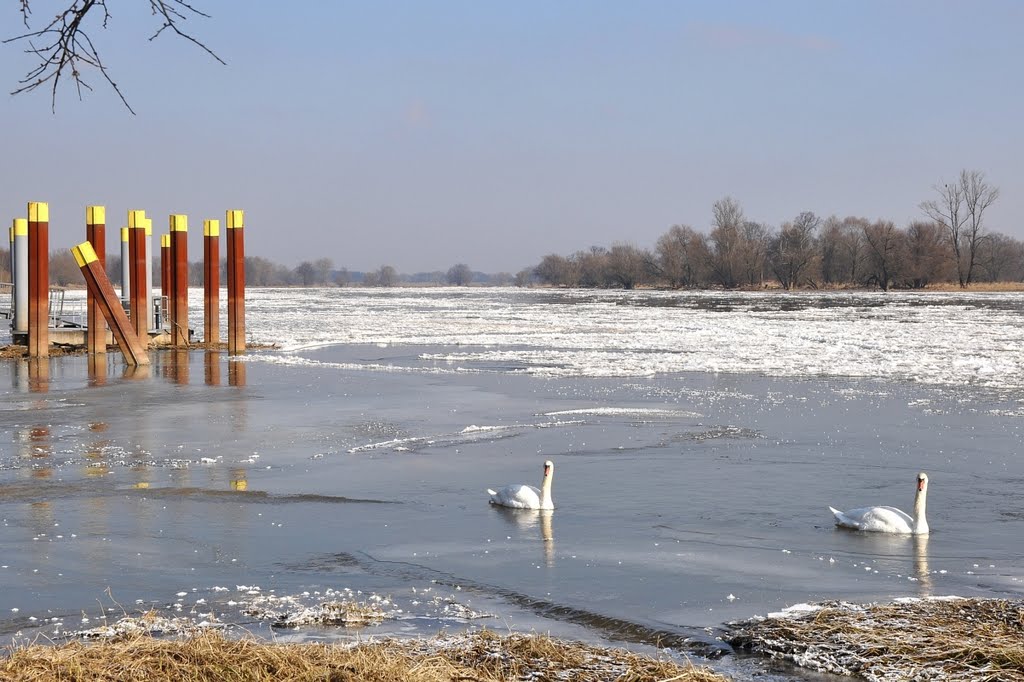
[131, 329]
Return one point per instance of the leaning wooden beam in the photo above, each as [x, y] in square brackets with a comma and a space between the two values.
[101, 289]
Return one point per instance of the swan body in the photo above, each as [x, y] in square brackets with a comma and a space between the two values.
[888, 519]
[521, 496]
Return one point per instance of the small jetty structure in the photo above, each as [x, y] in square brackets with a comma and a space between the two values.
[135, 319]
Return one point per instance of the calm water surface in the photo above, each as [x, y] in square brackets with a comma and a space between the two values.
[684, 499]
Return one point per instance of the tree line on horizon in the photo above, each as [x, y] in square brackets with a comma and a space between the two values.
[951, 244]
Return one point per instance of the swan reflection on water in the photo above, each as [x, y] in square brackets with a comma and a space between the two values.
[894, 553]
[527, 519]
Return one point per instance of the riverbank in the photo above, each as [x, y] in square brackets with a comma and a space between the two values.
[210, 655]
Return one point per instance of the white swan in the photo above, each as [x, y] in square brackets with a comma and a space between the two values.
[889, 519]
[520, 496]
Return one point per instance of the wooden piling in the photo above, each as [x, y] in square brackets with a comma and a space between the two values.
[98, 283]
[96, 234]
[38, 279]
[126, 267]
[236, 281]
[211, 283]
[179, 277]
[137, 290]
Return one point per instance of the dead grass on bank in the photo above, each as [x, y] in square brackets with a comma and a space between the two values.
[950, 639]
[211, 656]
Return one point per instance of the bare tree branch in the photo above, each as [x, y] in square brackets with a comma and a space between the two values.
[64, 47]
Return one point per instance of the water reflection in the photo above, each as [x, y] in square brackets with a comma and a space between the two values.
[236, 373]
[526, 519]
[136, 372]
[924, 576]
[38, 375]
[211, 364]
[97, 369]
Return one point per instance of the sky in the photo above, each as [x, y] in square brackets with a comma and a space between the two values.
[421, 135]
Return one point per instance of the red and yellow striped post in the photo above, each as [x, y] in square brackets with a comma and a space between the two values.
[96, 234]
[126, 266]
[179, 277]
[137, 290]
[236, 281]
[100, 287]
[165, 279]
[211, 283]
[38, 279]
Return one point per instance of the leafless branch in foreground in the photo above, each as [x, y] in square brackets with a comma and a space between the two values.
[64, 47]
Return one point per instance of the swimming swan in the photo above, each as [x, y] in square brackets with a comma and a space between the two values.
[888, 519]
[521, 496]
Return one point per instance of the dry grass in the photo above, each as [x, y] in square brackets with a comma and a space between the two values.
[977, 286]
[210, 656]
[935, 639]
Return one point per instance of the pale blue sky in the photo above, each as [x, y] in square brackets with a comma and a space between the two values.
[421, 134]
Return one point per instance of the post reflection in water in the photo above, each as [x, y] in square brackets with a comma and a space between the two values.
[37, 449]
[95, 450]
[238, 480]
[136, 372]
[38, 375]
[236, 373]
[97, 369]
[211, 364]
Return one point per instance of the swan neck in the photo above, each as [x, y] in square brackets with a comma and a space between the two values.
[920, 501]
[545, 491]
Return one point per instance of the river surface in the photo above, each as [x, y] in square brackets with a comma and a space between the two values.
[698, 440]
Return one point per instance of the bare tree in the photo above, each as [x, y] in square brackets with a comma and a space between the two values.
[725, 241]
[886, 247]
[557, 271]
[306, 273]
[342, 277]
[681, 256]
[64, 47]
[960, 210]
[793, 251]
[927, 254]
[591, 267]
[628, 266]
[459, 275]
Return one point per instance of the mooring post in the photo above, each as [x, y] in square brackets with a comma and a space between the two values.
[98, 283]
[211, 283]
[165, 280]
[179, 275]
[38, 279]
[19, 275]
[126, 266]
[149, 274]
[96, 234]
[137, 290]
[236, 281]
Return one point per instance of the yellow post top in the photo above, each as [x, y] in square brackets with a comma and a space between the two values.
[147, 223]
[84, 254]
[236, 219]
[38, 212]
[211, 228]
[96, 215]
[124, 234]
[179, 222]
[136, 219]
[20, 227]
[165, 241]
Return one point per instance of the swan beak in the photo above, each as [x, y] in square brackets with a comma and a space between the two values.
[920, 483]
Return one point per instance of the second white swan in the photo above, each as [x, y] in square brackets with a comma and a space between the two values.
[520, 496]
[889, 519]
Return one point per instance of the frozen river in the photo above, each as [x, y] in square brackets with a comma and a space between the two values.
[698, 441]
